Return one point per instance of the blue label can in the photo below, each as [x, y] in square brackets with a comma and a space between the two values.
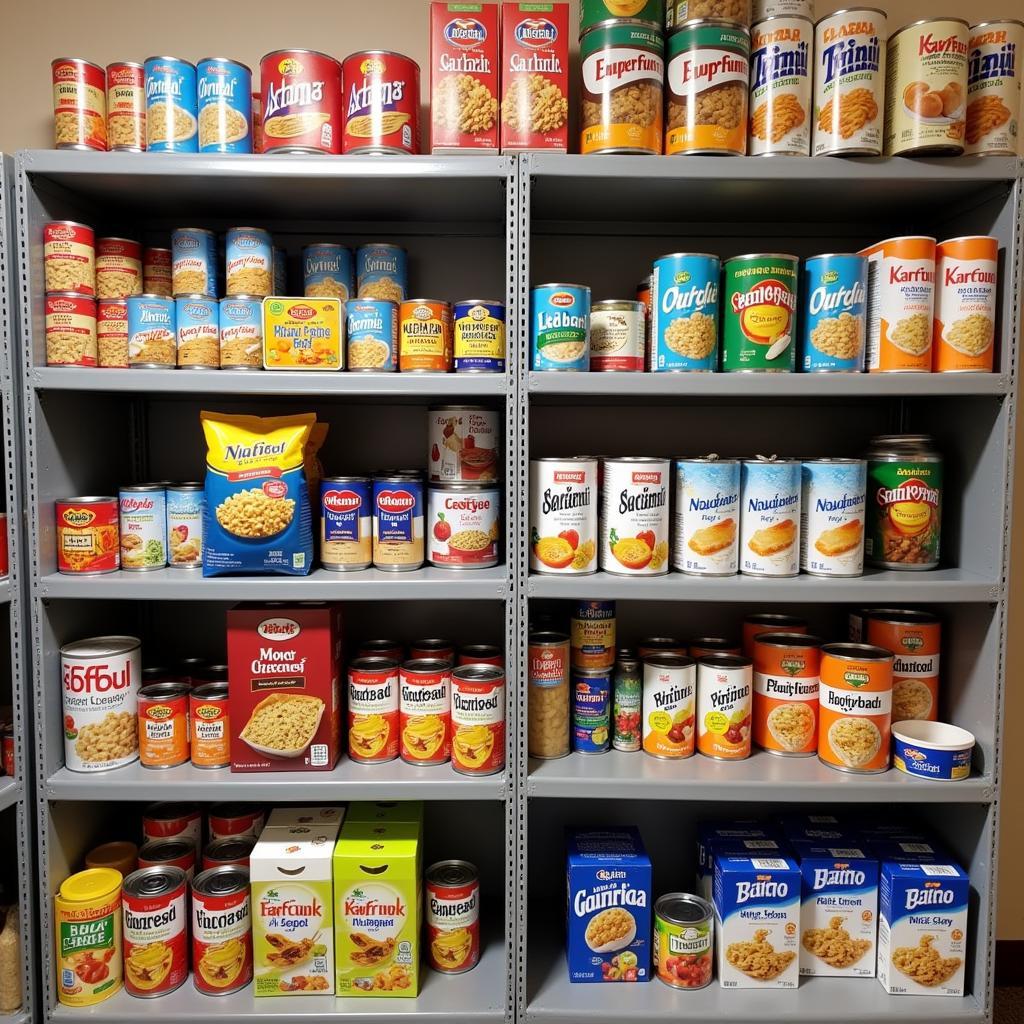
[560, 327]
[835, 313]
[371, 332]
[224, 100]
[193, 262]
[479, 336]
[382, 272]
[684, 313]
[249, 262]
[345, 524]
[241, 333]
[398, 542]
[152, 335]
[591, 710]
[327, 271]
[171, 115]
[198, 332]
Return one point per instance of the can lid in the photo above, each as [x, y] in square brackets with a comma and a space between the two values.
[452, 872]
[229, 848]
[682, 908]
[171, 848]
[669, 660]
[154, 881]
[91, 884]
[101, 646]
[724, 661]
[375, 664]
[788, 640]
[212, 691]
[857, 652]
[430, 665]
[475, 672]
[163, 689]
[221, 881]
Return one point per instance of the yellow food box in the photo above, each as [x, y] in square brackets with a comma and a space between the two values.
[377, 868]
[303, 334]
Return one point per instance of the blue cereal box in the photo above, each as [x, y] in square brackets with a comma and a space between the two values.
[764, 844]
[922, 928]
[608, 919]
[171, 114]
[684, 313]
[795, 825]
[757, 913]
[834, 320]
[224, 100]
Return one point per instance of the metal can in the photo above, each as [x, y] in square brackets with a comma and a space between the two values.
[382, 103]
[669, 699]
[684, 313]
[155, 904]
[346, 532]
[424, 708]
[832, 503]
[480, 654]
[563, 516]
[152, 332]
[70, 325]
[197, 330]
[381, 649]
[770, 517]
[478, 719]
[592, 630]
[764, 9]
[371, 330]
[87, 928]
[169, 853]
[655, 646]
[382, 272]
[699, 646]
[617, 335]
[163, 725]
[433, 647]
[194, 259]
[926, 88]
[224, 94]
[79, 105]
[993, 87]
[622, 67]
[634, 527]
[759, 311]
[221, 931]
[87, 540]
[594, 12]
[548, 695]
[781, 51]
[724, 706]
[707, 516]
[236, 819]
[479, 336]
[185, 525]
[904, 502]
[453, 916]
[209, 719]
[966, 275]
[241, 333]
[174, 821]
[327, 271]
[786, 673]
[463, 443]
[69, 257]
[118, 268]
[915, 639]
[849, 82]
[121, 855]
[171, 110]
[156, 271]
[591, 711]
[678, 12]
[398, 542]
[755, 625]
[560, 327]
[706, 84]
[855, 701]
[627, 702]
[143, 527]
[643, 296]
[230, 851]
[464, 525]
[425, 336]
[249, 261]
[684, 929]
[301, 101]
[373, 722]
[835, 290]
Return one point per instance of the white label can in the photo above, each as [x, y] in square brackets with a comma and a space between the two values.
[725, 697]
[780, 86]
[669, 695]
[143, 527]
[617, 335]
[770, 517]
[463, 526]
[833, 502]
[634, 526]
[464, 444]
[185, 503]
[705, 536]
[563, 516]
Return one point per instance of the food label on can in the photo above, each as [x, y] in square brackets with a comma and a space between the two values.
[79, 105]
[424, 708]
[193, 262]
[224, 94]
[617, 336]
[346, 523]
[548, 679]
[904, 502]
[112, 333]
[465, 527]
[425, 336]
[855, 698]
[627, 709]
[915, 670]
[836, 290]
[163, 730]
[453, 926]
[209, 723]
[724, 710]
[69, 258]
[249, 262]
[591, 715]
[634, 517]
[382, 103]
[241, 332]
[221, 941]
[684, 313]
[785, 712]
[87, 536]
[171, 112]
[560, 327]
[156, 272]
[780, 86]
[126, 106]
[669, 699]
[832, 511]
[301, 100]
[381, 272]
[682, 953]
[371, 326]
[327, 271]
[155, 941]
[966, 274]
[770, 518]
[478, 723]
[398, 523]
[707, 517]
[760, 313]
[994, 53]
[89, 954]
[479, 337]
[70, 327]
[593, 634]
[563, 516]
[373, 720]
[198, 332]
[185, 527]
[118, 268]
[143, 527]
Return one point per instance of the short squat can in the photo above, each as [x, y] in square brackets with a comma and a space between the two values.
[591, 710]
[479, 336]
[560, 327]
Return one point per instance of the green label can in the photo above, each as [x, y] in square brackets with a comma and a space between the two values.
[593, 12]
[759, 313]
[627, 699]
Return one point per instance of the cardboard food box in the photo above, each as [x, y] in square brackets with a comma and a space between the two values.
[288, 817]
[408, 811]
[303, 333]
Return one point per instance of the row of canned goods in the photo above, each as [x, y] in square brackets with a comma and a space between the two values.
[761, 516]
[904, 304]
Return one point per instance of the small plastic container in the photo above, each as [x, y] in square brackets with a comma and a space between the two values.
[932, 750]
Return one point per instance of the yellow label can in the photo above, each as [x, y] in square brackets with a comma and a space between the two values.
[303, 333]
[87, 918]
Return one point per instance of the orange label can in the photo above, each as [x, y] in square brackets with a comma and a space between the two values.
[373, 710]
[669, 697]
[163, 725]
[755, 625]
[966, 275]
[478, 719]
[855, 707]
[425, 340]
[786, 672]
[915, 639]
[724, 705]
[209, 722]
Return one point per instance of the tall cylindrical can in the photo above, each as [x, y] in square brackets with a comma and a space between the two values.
[69, 257]
[249, 261]
[327, 271]
[143, 527]
[118, 268]
[560, 327]
[786, 673]
[221, 931]
[241, 333]
[770, 517]
[759, 304]
[478, 719]
[79, 104]
[548, 695]
[398, 523]
[563, 515]
[781, 50]
[832, 503]
[724, 706]
[382, 272]
[373, 717]
[592, 629]
[966, 277]
[70, 329]
[210, 722]
[87, 927]
[591, 712]
[126, 106]
[707, 516]
[425, 336]
[185, 525]
[669, 706]
[381, 103]
[346, 532]
[193, 261]
[156, 271]
[634, 517]
[112, 333]
[171, 111]
[424, 709]
[915, 639]
[155, 906]
[833, 326]
[627, 702]
[197, 332]
[224, 101]
[453, 916]
[995, 51]
[684, 313]
[163, 725]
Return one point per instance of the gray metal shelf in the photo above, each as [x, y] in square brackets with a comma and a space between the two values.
[11, 791]
[6, 591]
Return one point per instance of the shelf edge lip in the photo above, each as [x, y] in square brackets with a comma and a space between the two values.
[11, 791]
[6, 590]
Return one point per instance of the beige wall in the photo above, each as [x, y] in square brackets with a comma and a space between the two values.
[34, 32]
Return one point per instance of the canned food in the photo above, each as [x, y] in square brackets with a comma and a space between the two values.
[174, 821]
[79, 107]
[121, 855]
[759, 304]
[373, 722]
[453, 916]
[398, 543]
[592, 629]
[69, 257]
[684, 928]
[926, 81]
[684, 313]
[654, 646]
[194, 260]
[382, 112]
[479, 336]
[669, 692]
[424, 708]
[171, 109]
[706, 81]
[770, 516]
[152, 332]
[371, 326]
[915, 639]
[301, 100]
[993, 87]
[224, 93]
[593, 12]
[591, 713]
[849, 82]
[702, 645]
[465, 525]
[481, 654]
[622, 67]
[156, 271]
[563, 516]
[763, 9]
[346, 532]
[197, 327]
[229, 851]
[126, 106]
[904, 500]
[724, 706]
[169, 853]
[548, 699]
[677, 12]
[185, 504]
[643, 296]
[241, 333]
[433, 647]
[381, 272]
[381, 649]
[425, 336]
[70, 325]
[143, 527]
[755, 625]
[87, 917]
[155, 931]
[327, 271]
[236, 819]
[634, 516]
[478, 719]
[87, 536]
[707, 516]
[464, 443]
[855, 698]
[163, 725]
[832, 518]
[118, 268]
[617, 335]
[835, 305]
[627, 702]
[966, 275]
[786, 674]
[249, 261]
[780, 86]
[221, 931]
[560, 327]
[209, 719]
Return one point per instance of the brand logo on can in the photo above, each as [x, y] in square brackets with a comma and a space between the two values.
[78, 517]
[301, 312]
[562, 299]
[372, 66]
[395, 501]
[290, 66]
[341, 501]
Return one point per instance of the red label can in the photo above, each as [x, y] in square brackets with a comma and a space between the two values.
[177, 853]
[87, 535]
[432, 648]
[173, 821]
[155, 933]
[481, 654]
[373, 710]
[208, 716]
[382, 103]
[453, 916]
[381, 649]
[301, 97]
[478, 719]
[69, 257]
[156, 272]
[79, 104]
[112, 333]
[221, 934]
[70, 322]
[7, 749]
[425, 711]
[257, 123]
[126, 106]
[233, 850]
[233, 820]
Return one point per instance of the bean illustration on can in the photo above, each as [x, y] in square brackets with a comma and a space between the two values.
[759, 310]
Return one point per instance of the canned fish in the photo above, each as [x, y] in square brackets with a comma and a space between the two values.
[224, 95]
[478, 719]
[994, 51]
[70, 321]
[79, 105]
[684, 928]
[301, 100]
[684, 312]
[634, 528]
[424, 710]
[143, 527]
[194, 262]
[152, 331]
[707, 516]
[966, 274]
[627, 702]
[560, 327]
[163, 725]
[327, 271]
[371, 329]
[759, 310]
[832, 517]
[770, 517]
[592, 628]
[724, 706]
[221, 931]
[87, 541]
[382, 103]
[453, 916]
[156, 271]
[373, 721]
[398, 542]
[425, 336]
[591, 714]
[171, 111]
[241, 333]
[548, 699]
[617, 335]
[780, 86]
[197, 329]
[786, 673]
[112, 333]
[208, 717]
[563, 516]
[249, 261]
[479, 336]
[464, 443]
[835, 304]
[381, 272]
[346, 532]
[669, 698]
[155, 904]
[915, 639]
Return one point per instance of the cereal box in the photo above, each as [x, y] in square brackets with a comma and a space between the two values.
[922, 928]
[534, 77]
[757, 914]
[288, 817]
[303, 334]
[292, 910]
[608, 928]
[838, 909]
[377, 869]
[283, 685]
[762, 844]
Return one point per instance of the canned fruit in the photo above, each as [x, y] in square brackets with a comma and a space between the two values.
[835, 306]
[563, 516]
[684, 312]
[560, 327]
[634, 516]
[707, 516]
[833, 498]
[770, 517]
[966, 277]
[669, 706]
[780, 86]
[759, 310]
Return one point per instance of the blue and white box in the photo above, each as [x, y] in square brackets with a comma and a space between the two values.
[763, 845]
